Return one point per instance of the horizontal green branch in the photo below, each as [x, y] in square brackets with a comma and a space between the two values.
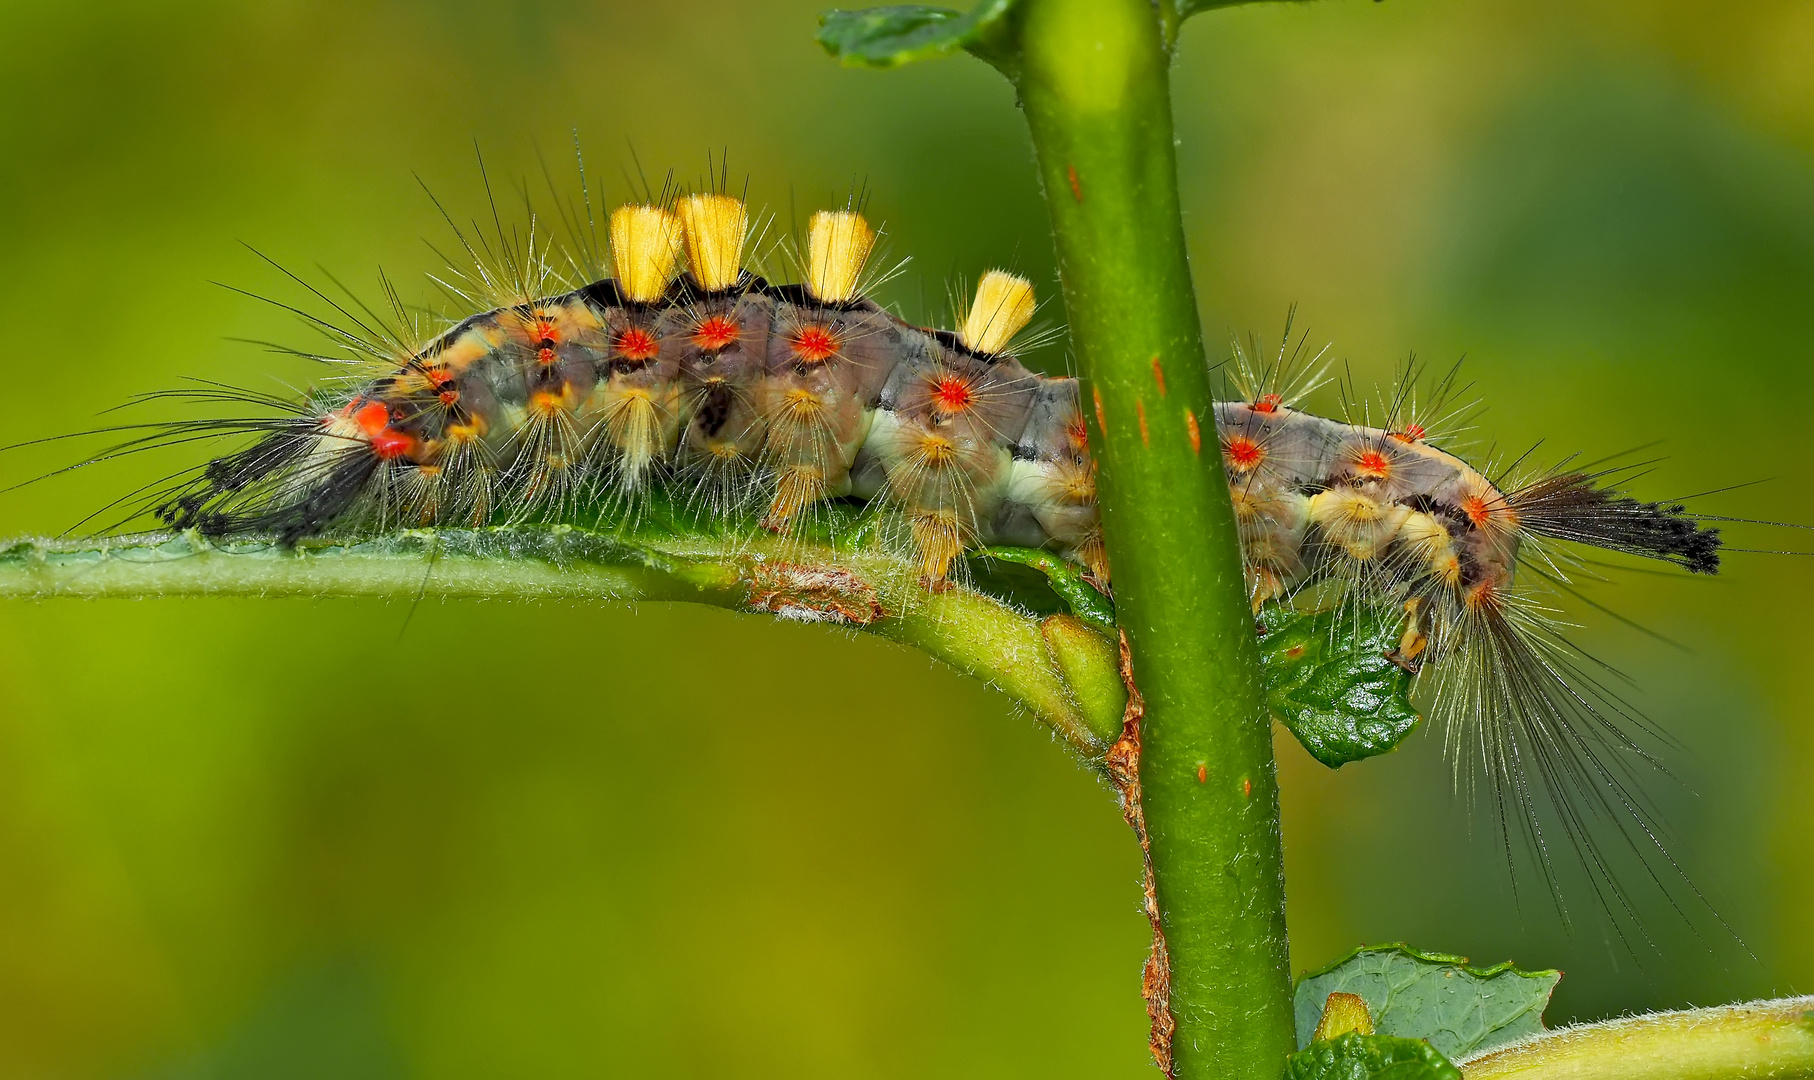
[1763, 1040]
[1059, 667]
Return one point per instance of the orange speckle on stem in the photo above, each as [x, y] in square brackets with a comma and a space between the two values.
[1102, 423]
[1246, 788]
[1140, 411]
[1202, 773]
[1196, 433]
[1076, 185]
[1159, 376]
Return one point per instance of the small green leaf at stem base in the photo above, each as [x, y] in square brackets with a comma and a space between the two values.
[1330, 680]
[887, 37]
[1369, 1057]
[1461, 1010]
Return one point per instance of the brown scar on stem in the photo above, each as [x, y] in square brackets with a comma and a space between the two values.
[1123, 763]
[812, 594]
[1159, 376]
[1076, 185]
[1140, 411]
[1102, 422]
[1196, 433]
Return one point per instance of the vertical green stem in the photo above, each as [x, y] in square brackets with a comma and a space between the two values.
[1093, 77]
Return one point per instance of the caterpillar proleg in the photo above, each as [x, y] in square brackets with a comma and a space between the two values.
[689, 371]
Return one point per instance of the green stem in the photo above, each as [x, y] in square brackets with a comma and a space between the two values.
[1764, 1040]
[1093, 77]
[1058, 668]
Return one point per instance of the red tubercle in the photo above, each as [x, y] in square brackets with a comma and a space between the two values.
[1476, 509]
[715, 333]
[1268, 403]
[637, 343]
[1374, 464]
[1078, 432]
[815, 344]
[951, 394]
[1411, 433]
[1243, 453]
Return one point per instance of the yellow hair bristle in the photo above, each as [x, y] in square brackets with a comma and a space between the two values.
[838, 244]
[1004, 305]
[645, 250]
[716, 226]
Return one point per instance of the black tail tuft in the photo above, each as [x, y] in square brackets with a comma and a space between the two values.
[1573, 507]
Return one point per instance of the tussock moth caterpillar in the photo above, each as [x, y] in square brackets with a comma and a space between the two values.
[686, 370]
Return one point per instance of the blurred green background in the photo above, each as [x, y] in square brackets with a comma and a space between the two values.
[287, 839]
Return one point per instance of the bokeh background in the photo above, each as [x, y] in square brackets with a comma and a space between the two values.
[276, 838]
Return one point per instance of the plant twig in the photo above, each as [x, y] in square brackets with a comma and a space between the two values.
[1761, 1040]
[1058, 668]
[1093, 77]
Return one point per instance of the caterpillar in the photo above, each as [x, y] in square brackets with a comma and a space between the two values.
[685, 370]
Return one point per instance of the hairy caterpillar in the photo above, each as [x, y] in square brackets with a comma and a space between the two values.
[684, 370]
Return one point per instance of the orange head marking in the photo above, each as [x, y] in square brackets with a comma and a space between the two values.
[951, 394]
[390, 443]
[715, 333]
[815, 344]
[637, 343]
[1374, 464]
[1242, 453]
[1268, 403]
[372, 417]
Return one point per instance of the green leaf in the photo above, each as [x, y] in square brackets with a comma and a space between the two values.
[1369, 1057]
[886, 37]
[1328, 679]
[1061, 577]
[1461, 1010]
